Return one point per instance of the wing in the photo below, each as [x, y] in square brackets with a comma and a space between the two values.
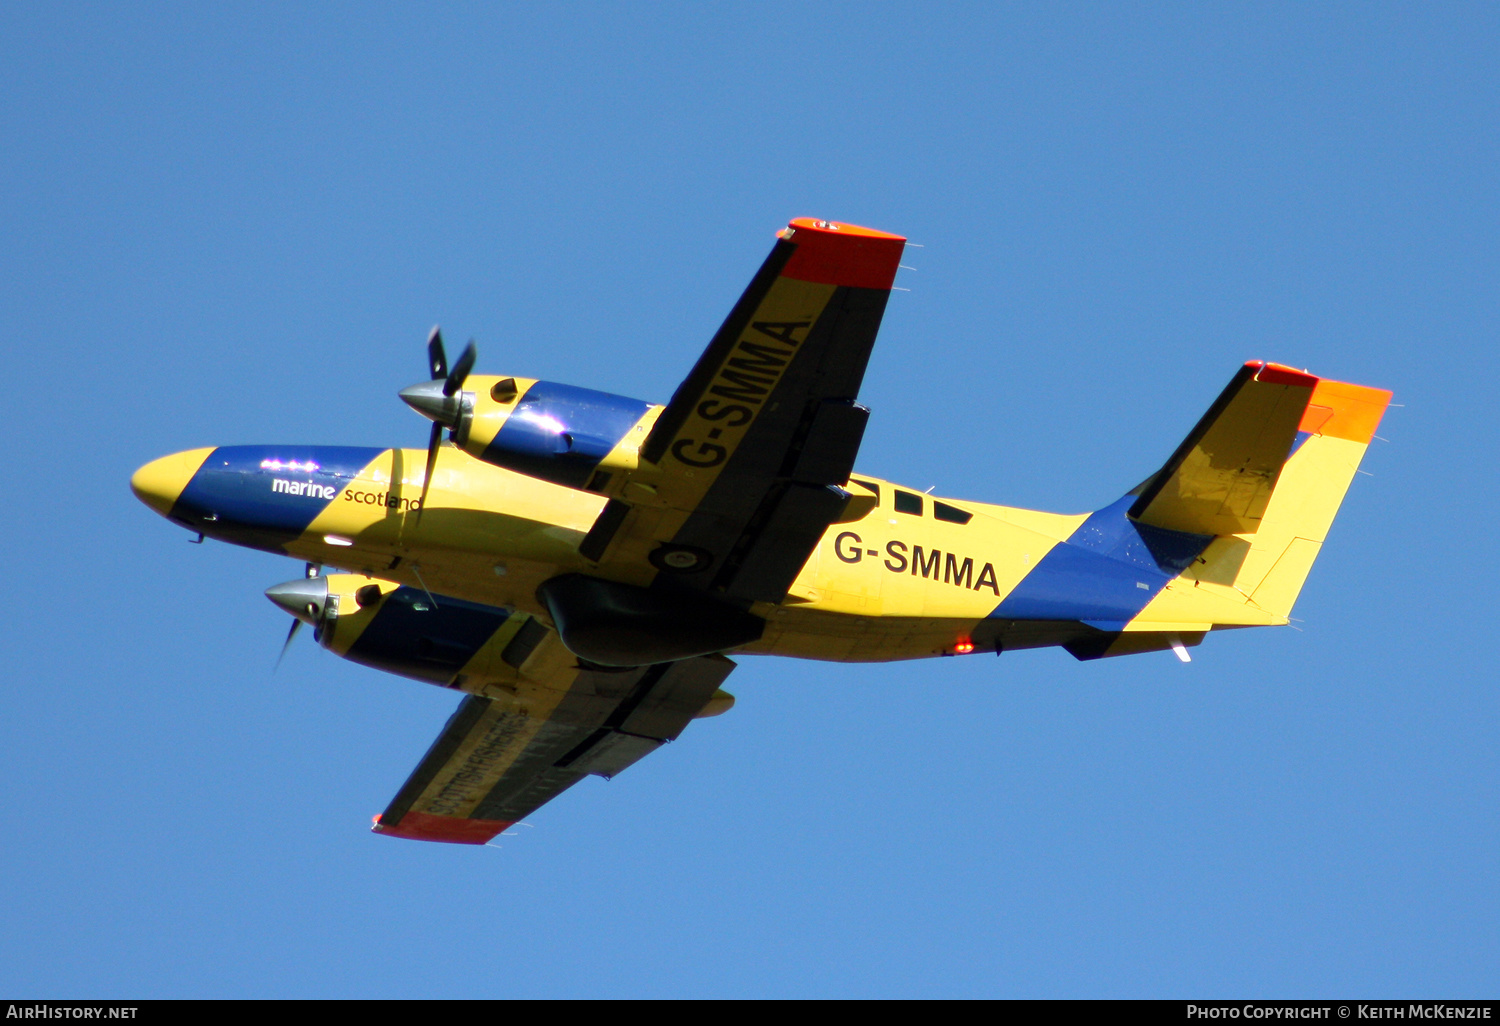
[499, 759]
[740, 474]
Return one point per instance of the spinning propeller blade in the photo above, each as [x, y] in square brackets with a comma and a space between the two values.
[296, 626]
[427, 404]
[461, 370]
[432, 450]
[437, 360]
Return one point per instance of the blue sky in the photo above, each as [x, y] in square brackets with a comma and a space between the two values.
[236, 224]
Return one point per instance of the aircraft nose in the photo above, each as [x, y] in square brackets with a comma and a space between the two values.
[303, 598]
[160, 482]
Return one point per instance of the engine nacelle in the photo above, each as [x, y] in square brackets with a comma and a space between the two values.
[560, 433]
[402, 630]
[447, 641]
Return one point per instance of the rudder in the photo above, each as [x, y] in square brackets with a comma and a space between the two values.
[1336, 429]
[1263, 473]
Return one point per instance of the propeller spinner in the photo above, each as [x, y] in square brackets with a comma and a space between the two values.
[439, 400]
[306, 600]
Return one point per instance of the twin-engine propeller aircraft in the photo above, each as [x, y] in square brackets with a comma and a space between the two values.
[580, 564]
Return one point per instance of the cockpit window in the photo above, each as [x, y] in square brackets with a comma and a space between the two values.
[952, 514]
[906, 502]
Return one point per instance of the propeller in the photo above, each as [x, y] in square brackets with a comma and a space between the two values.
[303, 599]
[439, 405]
[437, 360]
[296, 626]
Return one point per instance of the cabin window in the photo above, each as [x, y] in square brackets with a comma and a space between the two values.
[870, 486]
[952, 514]
[906, 502]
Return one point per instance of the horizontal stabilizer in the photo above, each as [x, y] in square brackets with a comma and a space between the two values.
[1219, 481]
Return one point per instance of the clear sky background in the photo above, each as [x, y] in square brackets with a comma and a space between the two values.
[236, 224]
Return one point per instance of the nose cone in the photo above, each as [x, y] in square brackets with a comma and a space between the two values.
[305, 599]
[160, 482]
[428, 400]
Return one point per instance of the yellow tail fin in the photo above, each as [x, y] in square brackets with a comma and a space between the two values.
[1267, 564]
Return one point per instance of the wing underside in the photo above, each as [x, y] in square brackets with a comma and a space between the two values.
[748, 457]
[499, 759]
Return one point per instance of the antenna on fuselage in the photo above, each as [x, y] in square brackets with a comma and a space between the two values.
[418, 571]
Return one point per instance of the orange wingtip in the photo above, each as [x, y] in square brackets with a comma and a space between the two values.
[1281, 374]
[1342, 410]
[834, 253]
[424, 826]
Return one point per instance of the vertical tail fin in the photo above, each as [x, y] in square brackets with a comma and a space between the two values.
[1263, 473]
[1223, 474]
[1332, 437]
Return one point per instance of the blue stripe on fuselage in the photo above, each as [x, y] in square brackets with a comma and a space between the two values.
[268, 490]
[1105, 573]
[559, 433]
